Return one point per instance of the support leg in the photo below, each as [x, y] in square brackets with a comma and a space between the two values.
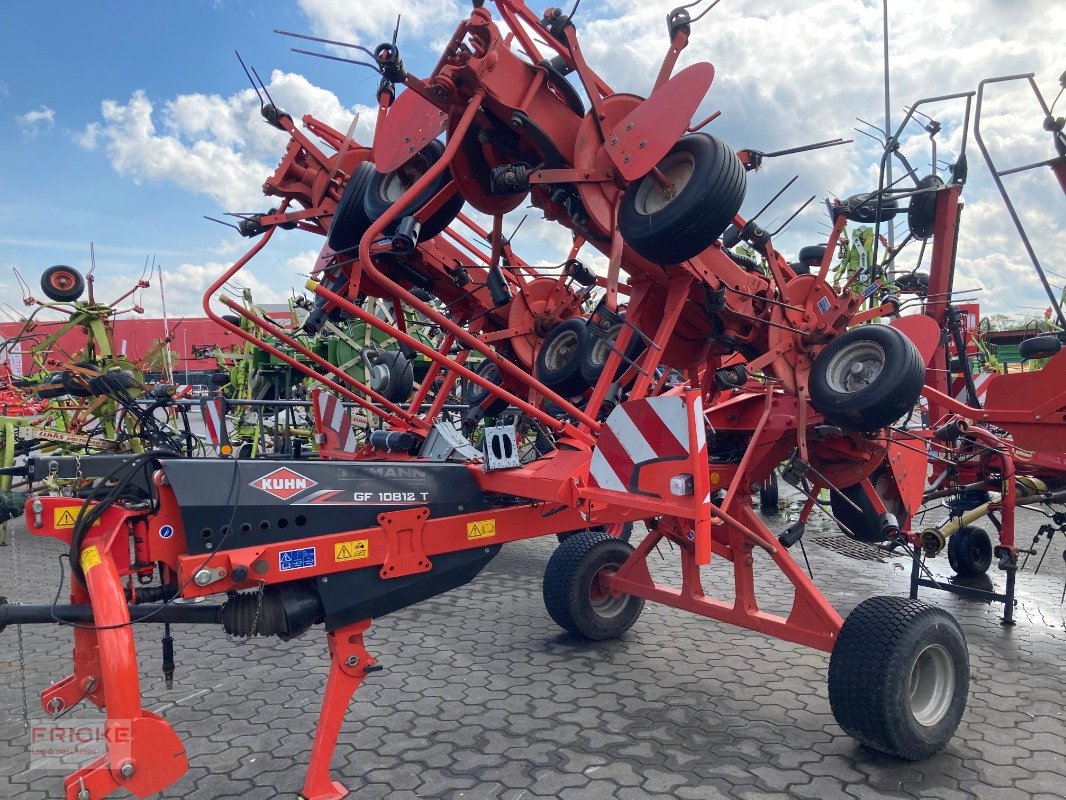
[1008, 602]
[916, 568]
[349, 665]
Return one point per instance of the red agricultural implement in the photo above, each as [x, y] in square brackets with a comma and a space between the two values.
[690, 381]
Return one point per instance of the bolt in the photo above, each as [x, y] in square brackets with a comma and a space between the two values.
[407, 139]
[691, 535]
[643, 143]
[614, 140]
[202, 578]
[629, 127]
[352, 661]
[126, 770]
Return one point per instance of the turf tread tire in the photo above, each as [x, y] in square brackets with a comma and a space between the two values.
[970, 551]
[867, 672]
[568, 577]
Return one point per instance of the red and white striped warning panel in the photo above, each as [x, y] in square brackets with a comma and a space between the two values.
[214, 413]
[333, 425]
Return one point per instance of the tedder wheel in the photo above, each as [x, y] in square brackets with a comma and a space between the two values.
[867, 378]
[1039, 347]
[899, 676]
[350, 221]
[574, 590]
[864, 526]
[598, 349]
[769, 494]
[668, 226]
[52, 388]
[392, 375]
[559, 360]
[384, 190]
[970, 551]
[474, 395]
[62, 284]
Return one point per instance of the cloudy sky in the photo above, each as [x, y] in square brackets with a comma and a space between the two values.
[124, 126]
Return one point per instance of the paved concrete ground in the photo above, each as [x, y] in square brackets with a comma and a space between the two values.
[483, 697]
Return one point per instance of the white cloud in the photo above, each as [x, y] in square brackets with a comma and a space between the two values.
[34, 123]
[372, 22]
[209, 144]
[4, 90]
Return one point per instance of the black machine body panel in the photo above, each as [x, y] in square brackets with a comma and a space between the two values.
[267, 502]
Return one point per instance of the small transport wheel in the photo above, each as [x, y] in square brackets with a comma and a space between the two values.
[574, 590]
[864, 526]
[62, 284]
[1039, 347]
[668, 226]
[384, 190]
[899, 676]
[867, 378]
[350, 221]
[970, 551]
[769, 494]
[559, 359]
[599, 348]
[624, 531]
[474, 395]
[392, 375]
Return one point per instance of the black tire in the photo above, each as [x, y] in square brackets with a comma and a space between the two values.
[899, 676]
[864, 525]
[117, 382]
[697, 215]
[393, 376]
[564, 88]
[812, 254]
[1039, 347]
[921, 214]
[625, 536]
[62, 284]
[52, 388]
[916, 283]
[474, 395]
[598, 348]
[970, 551]
[559, 359]
[350, 220]
[380, 188]
[872, 399]
[572, 591]
[862, 208]
[232, 319]
[800, 268]
[769, 494]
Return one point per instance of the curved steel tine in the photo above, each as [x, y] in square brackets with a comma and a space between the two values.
[705, 11]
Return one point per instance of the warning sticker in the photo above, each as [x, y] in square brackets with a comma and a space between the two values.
[66, 516]
[90, 557]
[302, 558]
[351, 551]
[482, 529]
[823, 304]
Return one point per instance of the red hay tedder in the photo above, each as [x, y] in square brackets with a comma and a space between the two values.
[692, 378]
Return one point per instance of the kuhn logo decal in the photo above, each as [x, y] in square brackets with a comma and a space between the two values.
[283, 483]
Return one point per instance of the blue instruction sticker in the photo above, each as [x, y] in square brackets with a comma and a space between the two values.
[823, 304]
[166, 531]
[296, 559]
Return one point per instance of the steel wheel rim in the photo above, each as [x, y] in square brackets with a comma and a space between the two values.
[561, 351]
[651, 197]
[62, 281]
[932, 685]
[605, 604]
[855, 367]
[601, 348]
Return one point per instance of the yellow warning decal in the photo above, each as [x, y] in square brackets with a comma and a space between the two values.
[715, 478]
[90, 557]
[482, 529]
[351, 551]
[66, 516]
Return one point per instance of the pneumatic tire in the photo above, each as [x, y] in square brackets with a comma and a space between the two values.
[769, 494]
[1039, 347]
[382, 191]
[350, 221]
[558, 363]
[970, 551]
[709, 182]
[62, 284]
[866, 378]
[598, 349]
[899, 676]
[573, 587]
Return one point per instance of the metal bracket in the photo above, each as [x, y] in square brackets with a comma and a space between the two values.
[404, 553]
[501, 447]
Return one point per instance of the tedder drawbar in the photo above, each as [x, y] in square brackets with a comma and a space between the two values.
[694, 375]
